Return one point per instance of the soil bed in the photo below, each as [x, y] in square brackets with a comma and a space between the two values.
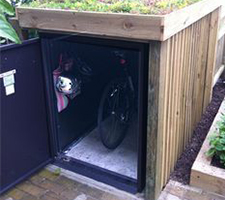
[183, 167]
[216, 163]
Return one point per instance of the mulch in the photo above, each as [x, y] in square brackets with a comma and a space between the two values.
[215, 162]
[183, 167]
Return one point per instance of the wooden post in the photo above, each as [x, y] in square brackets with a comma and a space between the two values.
[152, 124]
[211, 60]
[23, 35]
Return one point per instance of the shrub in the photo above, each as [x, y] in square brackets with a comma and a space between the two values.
[217, 143]
[6, 30]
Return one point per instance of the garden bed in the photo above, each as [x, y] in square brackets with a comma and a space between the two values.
[203, 174]
[182, 170]
[131, 26]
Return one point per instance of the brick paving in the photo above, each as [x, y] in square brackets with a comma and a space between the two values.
[177, 191]
[47, 185]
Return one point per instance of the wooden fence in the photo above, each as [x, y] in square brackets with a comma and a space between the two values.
[177, 99]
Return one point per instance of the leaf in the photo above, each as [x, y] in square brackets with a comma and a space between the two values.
[219, 123]
[214, 142]
[222, 157]
[7, 31]
[210, 152]
[222, 141]
[2, 41]
[222, 128]
[5, 7]
[219, 147]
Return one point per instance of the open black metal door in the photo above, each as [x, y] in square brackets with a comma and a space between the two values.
[24, 135]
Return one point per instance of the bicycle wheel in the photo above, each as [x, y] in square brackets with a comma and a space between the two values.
[114, 113]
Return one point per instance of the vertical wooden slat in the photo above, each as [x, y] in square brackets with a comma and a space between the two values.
[211, 59]
[161, 145]
[175, 94]
[188, 72]
[185, 77]
[182, 88]
[201, 65]
[194, 77]
[167, 138]
[171, 92]
[178, 112]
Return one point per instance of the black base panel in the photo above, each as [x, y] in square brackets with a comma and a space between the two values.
[97, 173]
[24, 177]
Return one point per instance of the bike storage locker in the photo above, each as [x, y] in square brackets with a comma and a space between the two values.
[81, 100]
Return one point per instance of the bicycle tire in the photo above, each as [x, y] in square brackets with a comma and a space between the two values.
[111, 140]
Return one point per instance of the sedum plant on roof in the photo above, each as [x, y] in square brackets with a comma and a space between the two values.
[115, 6]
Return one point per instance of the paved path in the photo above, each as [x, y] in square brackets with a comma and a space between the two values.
[177, 191]
[47, 185]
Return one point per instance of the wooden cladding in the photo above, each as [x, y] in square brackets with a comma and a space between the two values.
[183, 90]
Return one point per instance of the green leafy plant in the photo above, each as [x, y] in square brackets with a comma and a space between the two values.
[6, 30]
[217, 142]
[116, 6]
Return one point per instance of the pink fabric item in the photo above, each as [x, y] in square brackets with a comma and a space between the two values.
[62, 99]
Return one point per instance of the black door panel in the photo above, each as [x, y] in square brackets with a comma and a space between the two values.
[24, 135]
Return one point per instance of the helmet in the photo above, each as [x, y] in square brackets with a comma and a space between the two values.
[68, 85]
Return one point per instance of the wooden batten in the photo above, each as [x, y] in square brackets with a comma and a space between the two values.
[179, 20]
[115, 25]
[23, 35]
[212, 50]
[102, 24]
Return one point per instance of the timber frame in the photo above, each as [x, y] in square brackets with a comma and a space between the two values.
[182, 54]
[130, 26]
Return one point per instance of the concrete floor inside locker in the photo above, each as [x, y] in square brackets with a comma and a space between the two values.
[122, 160]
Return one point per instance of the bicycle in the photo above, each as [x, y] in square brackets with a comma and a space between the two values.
[116, 106]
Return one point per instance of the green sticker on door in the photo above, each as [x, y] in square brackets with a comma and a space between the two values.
[9, 81]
